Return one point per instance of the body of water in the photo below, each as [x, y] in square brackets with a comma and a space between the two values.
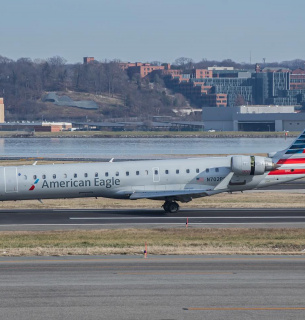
[136, 147]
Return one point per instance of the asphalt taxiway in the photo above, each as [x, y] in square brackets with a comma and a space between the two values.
[159, 287]
[59, 219]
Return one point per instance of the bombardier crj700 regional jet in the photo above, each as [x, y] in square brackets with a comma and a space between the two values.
[170, 180]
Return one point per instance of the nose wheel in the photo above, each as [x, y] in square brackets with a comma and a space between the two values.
[171, 206]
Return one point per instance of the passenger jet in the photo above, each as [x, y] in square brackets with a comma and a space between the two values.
[170, 180]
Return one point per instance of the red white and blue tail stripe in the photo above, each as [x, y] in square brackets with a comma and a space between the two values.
[292, 159]
[295, 151]
[298, 146]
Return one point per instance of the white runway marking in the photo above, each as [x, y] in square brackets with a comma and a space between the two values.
[182, 218]
[183, 210]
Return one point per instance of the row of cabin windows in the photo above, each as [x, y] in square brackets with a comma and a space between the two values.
[44, 176]
[117, 173]
[177, 171]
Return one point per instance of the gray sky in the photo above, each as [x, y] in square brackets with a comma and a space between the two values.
[158, 30]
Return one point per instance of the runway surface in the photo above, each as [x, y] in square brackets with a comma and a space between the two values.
[49, 219]
[159, 287]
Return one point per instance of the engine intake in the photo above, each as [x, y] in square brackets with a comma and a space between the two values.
[251, 165]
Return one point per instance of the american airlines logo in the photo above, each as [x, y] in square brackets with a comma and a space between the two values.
[33, 185]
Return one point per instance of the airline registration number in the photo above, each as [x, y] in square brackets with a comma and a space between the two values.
[216, 179]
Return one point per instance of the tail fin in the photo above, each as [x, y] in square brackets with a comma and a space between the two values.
[295, 154]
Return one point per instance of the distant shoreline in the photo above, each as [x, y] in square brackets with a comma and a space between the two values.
[145, 134]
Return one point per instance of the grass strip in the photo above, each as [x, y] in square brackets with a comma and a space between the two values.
[159, 240]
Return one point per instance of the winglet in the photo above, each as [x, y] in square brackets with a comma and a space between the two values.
[111, 160]
[223, 184]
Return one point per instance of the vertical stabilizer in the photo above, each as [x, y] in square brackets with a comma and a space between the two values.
[295, 154]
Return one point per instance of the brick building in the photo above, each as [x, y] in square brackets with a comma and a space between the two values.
[53, 127]
[201, 73]
[297, 79]
[226, 86]
[143, 69]
[88, 60]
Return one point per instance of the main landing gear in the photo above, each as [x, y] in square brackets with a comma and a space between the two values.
[171, 206]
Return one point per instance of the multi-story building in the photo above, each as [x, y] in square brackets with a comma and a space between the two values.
[233, 87]
[226, 86]
[297, 79]
[88, 60]
[278, 80]
[143, 69]
[260, 88]
[214, 100]
[272, 86]
[201, 73]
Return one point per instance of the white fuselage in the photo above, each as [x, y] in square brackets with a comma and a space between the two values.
[121, 179]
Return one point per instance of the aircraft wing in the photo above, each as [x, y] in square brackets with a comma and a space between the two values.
[179, 194]
[186, 194]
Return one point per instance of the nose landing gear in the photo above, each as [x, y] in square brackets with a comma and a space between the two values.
[171, 206]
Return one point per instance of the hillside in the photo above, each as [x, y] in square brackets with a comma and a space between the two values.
[26, 82]
[107, 106]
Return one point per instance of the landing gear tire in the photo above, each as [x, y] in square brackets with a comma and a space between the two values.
[171, 206]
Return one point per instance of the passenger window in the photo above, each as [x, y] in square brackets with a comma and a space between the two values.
[34, 177]
[217, 169]
[137, 173]
[117, 173]
[75, 175]
[25, 177]
[106, 174]
[54, 176]
[177, 171]
[146, 171]
[65, 176]
[187, 170]
[127, 173]
[86, 175]
[44, 176]
[156, 172]
[207, 170]
[96, 174]
[197, 170]
[166, 171]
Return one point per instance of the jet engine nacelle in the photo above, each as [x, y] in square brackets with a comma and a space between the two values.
[251, 165]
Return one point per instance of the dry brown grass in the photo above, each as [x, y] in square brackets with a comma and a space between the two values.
[159, 241]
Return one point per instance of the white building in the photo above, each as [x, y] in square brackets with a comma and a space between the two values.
[253, 118]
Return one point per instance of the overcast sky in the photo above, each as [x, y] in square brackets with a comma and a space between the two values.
[157, 30]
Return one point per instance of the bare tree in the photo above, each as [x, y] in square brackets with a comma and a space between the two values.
[184, 63]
